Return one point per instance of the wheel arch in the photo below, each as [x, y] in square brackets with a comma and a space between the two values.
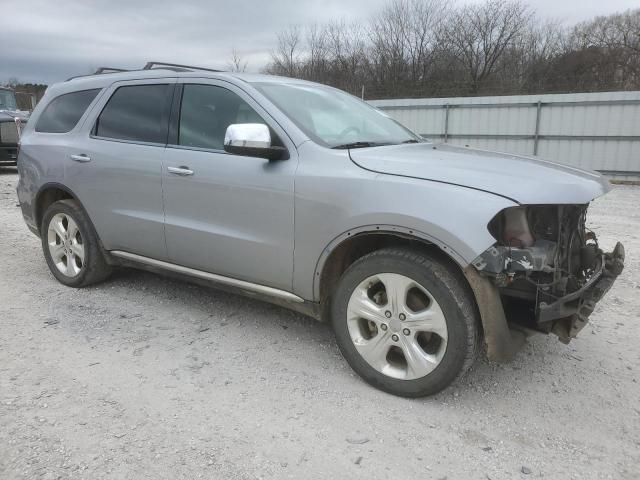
[346, 248]
[49, 193]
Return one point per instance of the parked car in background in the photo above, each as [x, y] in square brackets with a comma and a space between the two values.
[294, 192]
[11, 122]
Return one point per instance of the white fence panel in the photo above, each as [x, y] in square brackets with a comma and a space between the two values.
[598, 131]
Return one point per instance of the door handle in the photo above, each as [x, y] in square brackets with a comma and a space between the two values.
[182, 171]
[80, 158]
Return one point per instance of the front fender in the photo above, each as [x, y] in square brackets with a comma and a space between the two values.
[335, 199]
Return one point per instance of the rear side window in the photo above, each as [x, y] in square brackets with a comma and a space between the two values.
[137, 113]
[63, 112]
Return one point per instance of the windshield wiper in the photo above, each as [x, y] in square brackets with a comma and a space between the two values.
[370, 144]
[359, 145]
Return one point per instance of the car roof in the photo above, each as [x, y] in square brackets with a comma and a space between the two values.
[102, 80]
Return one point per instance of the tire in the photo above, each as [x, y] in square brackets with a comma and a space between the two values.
[68, 267]
[438, 329]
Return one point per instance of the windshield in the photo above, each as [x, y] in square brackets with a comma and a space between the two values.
[334, 118]
[7, 100]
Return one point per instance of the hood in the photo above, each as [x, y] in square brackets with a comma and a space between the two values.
[526, 180]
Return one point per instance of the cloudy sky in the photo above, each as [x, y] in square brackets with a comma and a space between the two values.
[45, 41]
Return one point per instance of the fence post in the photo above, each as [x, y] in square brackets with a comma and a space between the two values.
[537, 132]
[446, 123]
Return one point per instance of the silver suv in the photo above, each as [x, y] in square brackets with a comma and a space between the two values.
[419, 254]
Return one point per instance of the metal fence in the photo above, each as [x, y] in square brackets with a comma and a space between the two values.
[598, 131]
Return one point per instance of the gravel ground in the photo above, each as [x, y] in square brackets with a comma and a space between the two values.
[145, 377]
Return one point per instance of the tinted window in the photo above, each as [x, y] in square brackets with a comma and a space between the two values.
[138, 113]
[63, 112]
[207, 111]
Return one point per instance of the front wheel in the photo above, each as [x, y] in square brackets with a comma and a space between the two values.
[405, 322]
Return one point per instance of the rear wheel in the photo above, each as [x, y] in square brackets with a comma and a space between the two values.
[405, 322]
[71, 246]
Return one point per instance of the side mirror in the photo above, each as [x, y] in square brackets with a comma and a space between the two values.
[252, 140]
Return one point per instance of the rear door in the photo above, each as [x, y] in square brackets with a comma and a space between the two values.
[116, 168]
[229, 214]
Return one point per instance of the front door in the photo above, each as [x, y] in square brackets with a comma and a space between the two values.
[227, 214]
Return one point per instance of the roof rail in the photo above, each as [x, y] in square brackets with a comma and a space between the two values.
[100, 71]
[152, 65]
[176, 67]
[109, 70]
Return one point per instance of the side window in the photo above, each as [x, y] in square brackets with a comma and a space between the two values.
[206, 112]
[137, 113]
[63, 112]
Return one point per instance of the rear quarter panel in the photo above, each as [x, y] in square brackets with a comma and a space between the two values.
[43, 156]
[40, 163]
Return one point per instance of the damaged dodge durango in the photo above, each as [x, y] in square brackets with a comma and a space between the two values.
[419, 255]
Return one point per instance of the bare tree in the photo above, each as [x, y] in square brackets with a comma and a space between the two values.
[388, 32]
[318, 55]
[620, 30]
[405, 42]
[284, 59]
[478, 35]
[423, 37]
[12, 82]
[346, 54]
[527, 64]
[415, 48]
[237, 63]
[617, 38]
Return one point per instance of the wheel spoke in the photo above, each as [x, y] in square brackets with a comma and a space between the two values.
[429, 320]
[375, 350]
[72, 228]
[68, 266]
[78, 250]
[361, 306]
[57, 251]
[72, 267]
[397, 287]
[419, 363]
[58, 227]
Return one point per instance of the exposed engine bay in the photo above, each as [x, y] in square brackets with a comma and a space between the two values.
[548, 267]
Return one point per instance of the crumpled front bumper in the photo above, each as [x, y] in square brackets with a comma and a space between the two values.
[567, 315]
[571, 313]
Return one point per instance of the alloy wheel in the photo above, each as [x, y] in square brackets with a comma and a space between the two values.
[397, 326]
[65, 245]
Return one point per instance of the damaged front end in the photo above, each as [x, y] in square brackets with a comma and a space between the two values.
[548, 268]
